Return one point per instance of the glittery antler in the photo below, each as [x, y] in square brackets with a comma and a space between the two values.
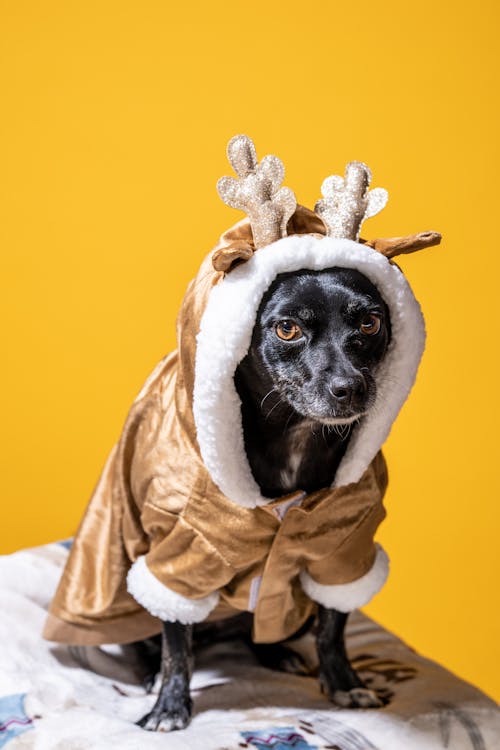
[346, 202]
[257, 191]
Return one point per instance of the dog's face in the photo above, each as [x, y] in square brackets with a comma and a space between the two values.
[318, 338]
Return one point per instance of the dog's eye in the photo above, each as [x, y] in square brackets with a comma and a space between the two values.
[370, 324]
[288, 330]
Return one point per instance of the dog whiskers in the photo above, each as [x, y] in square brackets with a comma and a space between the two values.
[292, 410]
[267, 394]
[342, 430]
[280, 401]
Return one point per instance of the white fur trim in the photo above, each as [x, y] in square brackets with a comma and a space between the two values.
[220, 348]
[161, 601]
[348, 596]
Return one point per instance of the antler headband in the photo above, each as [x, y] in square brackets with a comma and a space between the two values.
[258, 190]
[346, 203]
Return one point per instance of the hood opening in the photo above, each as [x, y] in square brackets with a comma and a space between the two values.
[220, 348]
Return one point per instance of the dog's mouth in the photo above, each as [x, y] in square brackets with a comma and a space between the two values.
[339, 420]
[326, 413]
[313, 404]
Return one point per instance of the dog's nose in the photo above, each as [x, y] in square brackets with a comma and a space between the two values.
[347, 390]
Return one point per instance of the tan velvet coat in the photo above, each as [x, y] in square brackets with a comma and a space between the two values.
[155, 498]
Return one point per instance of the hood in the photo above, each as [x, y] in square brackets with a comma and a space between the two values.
[232, 281]
[220, 347]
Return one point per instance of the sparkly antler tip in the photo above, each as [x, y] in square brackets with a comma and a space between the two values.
[347, 202]
[241, 155]
[258, 191]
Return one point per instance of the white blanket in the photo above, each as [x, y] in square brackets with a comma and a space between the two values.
[66, 698]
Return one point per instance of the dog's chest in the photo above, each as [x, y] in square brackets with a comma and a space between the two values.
[297, 443]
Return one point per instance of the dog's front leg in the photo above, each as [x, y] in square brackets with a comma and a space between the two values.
[337, 678]
[173, 708]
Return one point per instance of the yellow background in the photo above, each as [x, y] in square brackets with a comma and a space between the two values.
[112, 136]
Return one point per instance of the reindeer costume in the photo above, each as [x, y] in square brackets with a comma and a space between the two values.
[177, 528]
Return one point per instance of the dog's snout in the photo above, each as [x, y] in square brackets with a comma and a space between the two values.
[348, 390]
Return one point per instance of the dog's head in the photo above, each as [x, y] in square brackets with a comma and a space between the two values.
[317, 340]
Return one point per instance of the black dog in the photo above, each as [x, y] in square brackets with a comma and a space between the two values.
[307, 378]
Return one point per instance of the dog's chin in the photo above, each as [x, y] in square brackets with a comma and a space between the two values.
[330, 417]
[341, 420]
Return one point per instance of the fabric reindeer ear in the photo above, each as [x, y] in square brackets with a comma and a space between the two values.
[392, 246]
[226, 258]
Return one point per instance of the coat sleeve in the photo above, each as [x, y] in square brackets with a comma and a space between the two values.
[352, 568]
[363, 566]
[175, 573]
[179, 578]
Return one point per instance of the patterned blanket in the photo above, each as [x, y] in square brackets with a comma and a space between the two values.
[66, 698]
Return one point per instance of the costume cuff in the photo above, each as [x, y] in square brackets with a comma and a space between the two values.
[348, 596]
[164, 603]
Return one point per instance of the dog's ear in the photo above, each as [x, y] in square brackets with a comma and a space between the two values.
[392, 246]
[226, 258]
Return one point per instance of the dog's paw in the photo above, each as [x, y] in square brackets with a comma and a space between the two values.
[358, 697]
[165, 721]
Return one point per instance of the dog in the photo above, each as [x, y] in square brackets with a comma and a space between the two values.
[247, 484]
[307, 378]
